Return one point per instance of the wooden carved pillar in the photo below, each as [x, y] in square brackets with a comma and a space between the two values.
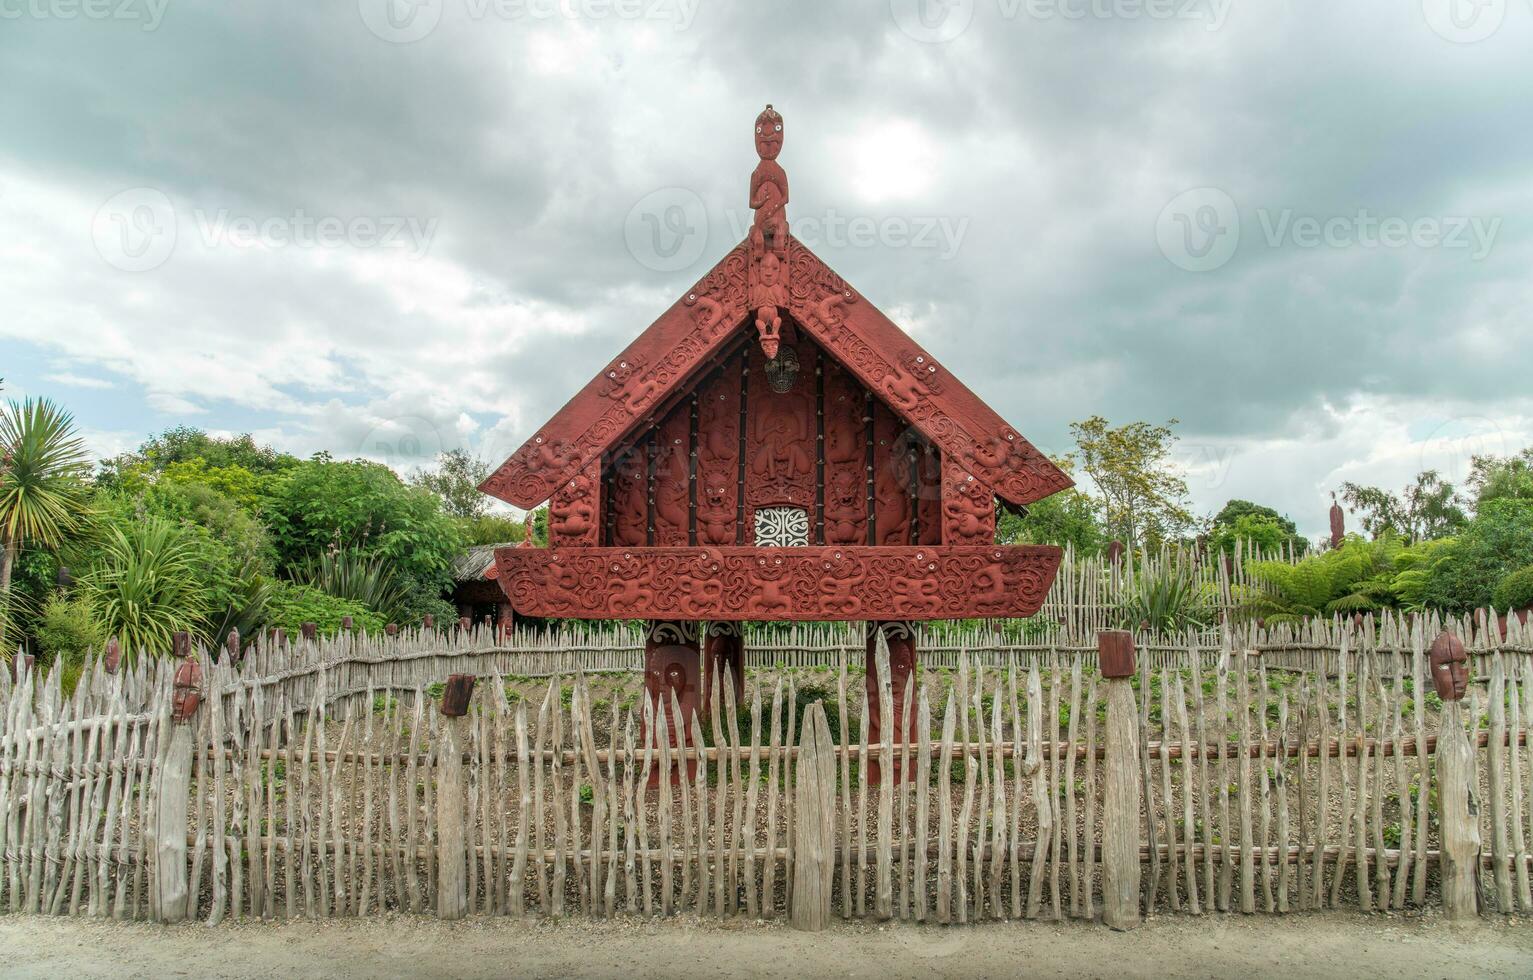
[968, 507]
[723, 647]
[504, 619]
[901, 639]
[672, 668]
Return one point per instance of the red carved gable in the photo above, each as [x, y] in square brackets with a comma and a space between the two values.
[678, 347]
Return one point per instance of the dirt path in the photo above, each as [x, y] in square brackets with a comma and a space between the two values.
[1298, 946]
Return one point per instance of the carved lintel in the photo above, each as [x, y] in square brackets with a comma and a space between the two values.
[804, 583]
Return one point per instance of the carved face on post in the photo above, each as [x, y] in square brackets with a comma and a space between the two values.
[1450, 667]
[768, 134]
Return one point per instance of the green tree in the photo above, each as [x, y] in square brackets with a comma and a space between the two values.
[185, 444]
[146, 586]
[456, 480]
[1497, 542]
[1068, 518]
[321, 505]
[43, 493]
[1142, 499]
[1428, 508]
[1498, 478]
[1242, 523]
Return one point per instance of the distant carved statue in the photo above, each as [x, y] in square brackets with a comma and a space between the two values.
[1338, 523]
[767, 271]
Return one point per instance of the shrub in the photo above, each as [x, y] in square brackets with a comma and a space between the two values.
[1515, 591]
[291, 605]
[1497, 542]
[66, 628]
[147, 585]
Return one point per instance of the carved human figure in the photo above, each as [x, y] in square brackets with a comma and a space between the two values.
[767, 268]
[780, 453]
[969, 511]
[572, 513]
[769, 185]
[845, 507]
[767, 294]
[716, 511]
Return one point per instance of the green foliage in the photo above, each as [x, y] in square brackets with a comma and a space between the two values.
[234, 555]
[456, 481]
[1068, 518]
[43, 494]
[66, 628]
[1515, 591]
[350, 575]
[491, 529]
[292, 604]
[1428, 508]
[185, 444]
[1167, 596]
[364, 507]
[1242, 523]
[1497, 542]
[1413, 568]
[1143, 500]
[1356, 577]
[1496, 478]
[146, 585]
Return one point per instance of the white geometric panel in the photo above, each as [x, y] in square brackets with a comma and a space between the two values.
[781, 527]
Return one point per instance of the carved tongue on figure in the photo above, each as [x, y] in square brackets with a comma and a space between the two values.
[767, 271]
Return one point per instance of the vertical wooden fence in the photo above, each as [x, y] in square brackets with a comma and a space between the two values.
[1207, 781]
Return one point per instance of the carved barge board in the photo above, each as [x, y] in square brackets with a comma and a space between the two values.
[677, 347]
[813, 583]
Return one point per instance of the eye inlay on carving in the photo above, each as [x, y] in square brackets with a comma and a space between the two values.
[782, 527]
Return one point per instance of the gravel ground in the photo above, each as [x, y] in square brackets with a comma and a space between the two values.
[1316, 945]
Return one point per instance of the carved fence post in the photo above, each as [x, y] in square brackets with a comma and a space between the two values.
[1120, 805]
[452, 856]
[814, 832]
[173, 790]
[1457, 806]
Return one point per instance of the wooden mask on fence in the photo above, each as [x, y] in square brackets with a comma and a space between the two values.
[1450, 667]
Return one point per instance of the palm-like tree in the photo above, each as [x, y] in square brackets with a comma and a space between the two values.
[146, 588]
[43, 494]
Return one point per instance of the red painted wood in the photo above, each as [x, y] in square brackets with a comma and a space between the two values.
[574, 512]
[968, 507]
[808, 583]
[902, 663]
[891, 478]
[780, 444]
[718, 456]
[878, 353]
[671, 485]
[846, 475]
[929, 495]
[629, 499]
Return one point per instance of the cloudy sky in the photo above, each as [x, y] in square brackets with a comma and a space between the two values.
[387, 227]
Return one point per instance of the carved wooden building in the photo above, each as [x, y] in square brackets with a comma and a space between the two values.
[773, 448]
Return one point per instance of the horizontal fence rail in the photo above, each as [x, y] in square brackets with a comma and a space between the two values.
[1266, 772]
